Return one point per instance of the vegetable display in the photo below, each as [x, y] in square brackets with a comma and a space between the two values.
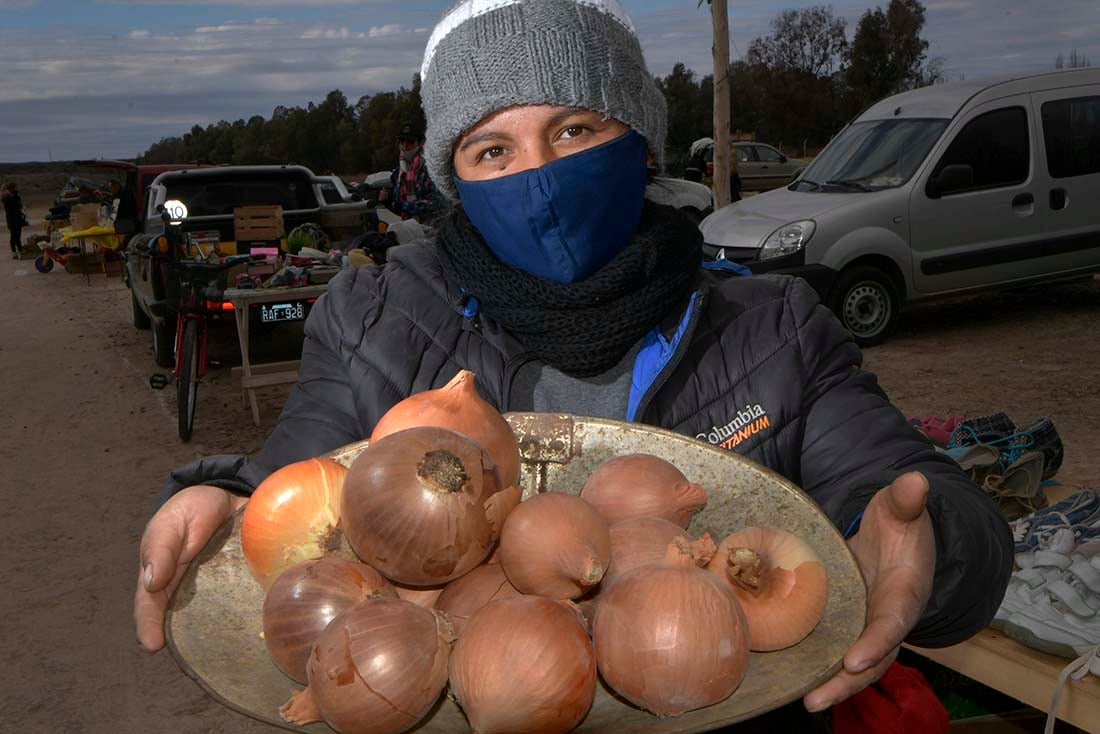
[515, 605]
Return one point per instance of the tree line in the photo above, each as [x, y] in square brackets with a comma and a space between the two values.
[794, 88]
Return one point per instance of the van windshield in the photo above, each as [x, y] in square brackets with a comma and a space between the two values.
[872, 155]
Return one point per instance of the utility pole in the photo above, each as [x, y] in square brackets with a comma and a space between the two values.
[719, 16]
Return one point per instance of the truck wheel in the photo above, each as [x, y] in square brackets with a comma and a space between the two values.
[867, 302]
[164, 343]
[141, 319]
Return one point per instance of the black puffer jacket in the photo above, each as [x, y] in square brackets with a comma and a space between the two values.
[762, 368]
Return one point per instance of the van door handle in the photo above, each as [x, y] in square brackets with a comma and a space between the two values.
[1058, 199]
[1023, 200]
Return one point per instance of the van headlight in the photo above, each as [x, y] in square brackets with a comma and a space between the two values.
[787, 240]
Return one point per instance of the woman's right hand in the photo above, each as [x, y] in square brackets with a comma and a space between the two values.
[172, 539]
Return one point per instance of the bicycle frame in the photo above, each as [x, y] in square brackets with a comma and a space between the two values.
[181, 322]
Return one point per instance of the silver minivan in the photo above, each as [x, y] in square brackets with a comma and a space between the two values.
[941, 190]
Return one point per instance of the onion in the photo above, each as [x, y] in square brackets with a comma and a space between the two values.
[378, 668]
[643, 541]
[423, 597]
[423, 506]
[524, 665]
[458, 406]
[671, 638]
[555, 545]
[462, 598]
[305, 598]
[293, 516]
[640, 485]
[779, 580]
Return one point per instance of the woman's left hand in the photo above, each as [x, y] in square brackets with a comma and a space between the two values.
[896, 550]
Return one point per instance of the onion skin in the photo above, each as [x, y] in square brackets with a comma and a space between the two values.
[524, 665]
[465, 596]
[780, 582]
[458, 407]
[424, 506]
[378, 668]
[555, 545]
[305, 598]
[671, 668]
[420, 596]
[643, 541]
[293, 516]
[641, 485]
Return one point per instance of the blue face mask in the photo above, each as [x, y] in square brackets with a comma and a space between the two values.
[567, 219]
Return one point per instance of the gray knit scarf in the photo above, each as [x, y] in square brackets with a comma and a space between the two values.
[582, 328]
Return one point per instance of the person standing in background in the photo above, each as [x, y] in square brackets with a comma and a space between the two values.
[15, 217]
[412, 195]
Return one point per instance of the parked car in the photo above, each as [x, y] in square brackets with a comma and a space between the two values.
[694, 199]
[942, 190]
[211, 195]
[760, 166]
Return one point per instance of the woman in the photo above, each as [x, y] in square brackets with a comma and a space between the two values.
[14, 217]
[564, 290]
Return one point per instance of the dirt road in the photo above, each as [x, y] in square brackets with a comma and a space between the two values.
[86, 444]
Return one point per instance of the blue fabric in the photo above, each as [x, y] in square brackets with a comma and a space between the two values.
[853, 527]
[726, 266]
[567, 219]
[655, 353]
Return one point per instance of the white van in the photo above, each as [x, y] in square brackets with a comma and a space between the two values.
[942, 190]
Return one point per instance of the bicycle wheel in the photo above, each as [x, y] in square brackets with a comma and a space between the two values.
[187, 383]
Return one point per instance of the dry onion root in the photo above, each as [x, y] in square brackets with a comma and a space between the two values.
[293, 516]
[780, 582]
[464, 597]
[458, 407]
[555, 545]
[305, 598]
[665, 668]
[424, 506]
[378, 668]
[641, 485]
[524, 664]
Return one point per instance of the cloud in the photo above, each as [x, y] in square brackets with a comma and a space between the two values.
[379, 31]
[239, 3]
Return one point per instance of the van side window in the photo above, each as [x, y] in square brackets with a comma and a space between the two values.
[1071, 128]
[995, 146]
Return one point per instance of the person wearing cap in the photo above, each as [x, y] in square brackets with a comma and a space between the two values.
[564, 290]
[411, 194]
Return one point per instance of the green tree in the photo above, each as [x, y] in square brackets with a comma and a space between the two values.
[888, 54]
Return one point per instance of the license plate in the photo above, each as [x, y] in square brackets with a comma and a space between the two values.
[282, 312]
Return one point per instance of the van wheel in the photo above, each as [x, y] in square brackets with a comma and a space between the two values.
[164, 343]
[141, 319]
[867, 302]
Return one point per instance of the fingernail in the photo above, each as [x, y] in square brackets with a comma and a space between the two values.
[148, 576]
[859, 666]
[819, 706]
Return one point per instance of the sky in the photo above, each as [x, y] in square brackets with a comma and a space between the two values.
[107, 78]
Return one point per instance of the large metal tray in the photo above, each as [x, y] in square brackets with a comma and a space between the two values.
[214, 625]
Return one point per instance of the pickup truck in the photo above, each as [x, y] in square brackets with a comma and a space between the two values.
[211, 195]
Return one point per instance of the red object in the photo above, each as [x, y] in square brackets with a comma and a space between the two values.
[901, 702]
[936, 428]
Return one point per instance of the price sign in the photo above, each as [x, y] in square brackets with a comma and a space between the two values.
[177, 210]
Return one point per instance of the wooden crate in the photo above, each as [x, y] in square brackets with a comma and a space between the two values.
[253, 223]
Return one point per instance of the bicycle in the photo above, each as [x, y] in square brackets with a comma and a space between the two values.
[196, 287]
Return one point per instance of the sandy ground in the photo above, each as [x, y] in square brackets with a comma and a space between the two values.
[86, 444]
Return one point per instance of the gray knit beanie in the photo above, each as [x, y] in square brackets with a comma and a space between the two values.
[486, 55]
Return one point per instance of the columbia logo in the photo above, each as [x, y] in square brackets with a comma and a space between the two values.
[748, 422]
